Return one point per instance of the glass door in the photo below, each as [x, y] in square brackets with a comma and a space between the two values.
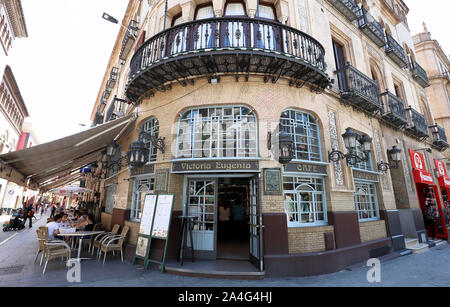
[256, 246]
[201, 202]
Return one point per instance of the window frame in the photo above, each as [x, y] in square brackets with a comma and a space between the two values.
[234, 1]
[153, 151]
[375, 209]
[319, 137]
[134, 211]
[323, 193]
[218, 157]
[271, 5]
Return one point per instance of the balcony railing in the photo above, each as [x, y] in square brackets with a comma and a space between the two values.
[129, 39]
[393, 110]
[439, 137]
[358, 89]
[112, 78]
[115, 109]
[107, 92]
[227, 46]
[396, 52]
[371, 28]
[347, 7]
[419, 74]
[417, 124]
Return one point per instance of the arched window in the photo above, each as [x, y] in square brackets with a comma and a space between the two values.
[151, 126]
[305, 132]
[366, 201]
[368, 165]
[178, 19]
[304, 201]
[217, 132]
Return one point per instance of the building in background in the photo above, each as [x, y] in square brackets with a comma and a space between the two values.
[12, 107]
[28, 137]
[221, 84]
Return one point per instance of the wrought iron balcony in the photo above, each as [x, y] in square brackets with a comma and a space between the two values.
[396, 52]
[226, 46]
[393, 110]
[419, 74]
[347, 7]
[371, 28]
[112, 78]
[439, 137]
[107, 92]
[417, 124]
[358, 89]
[115, 109]
[129, 39]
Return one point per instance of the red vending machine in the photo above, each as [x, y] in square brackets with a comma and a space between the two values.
[429, 200]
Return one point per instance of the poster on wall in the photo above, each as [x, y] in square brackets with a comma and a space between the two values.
[162, 216]
[147, 214]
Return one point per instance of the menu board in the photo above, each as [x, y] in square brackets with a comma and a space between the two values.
[162, 216]
[141, 246]
[147, 214]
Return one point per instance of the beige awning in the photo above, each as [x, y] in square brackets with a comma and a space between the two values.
[40, 163]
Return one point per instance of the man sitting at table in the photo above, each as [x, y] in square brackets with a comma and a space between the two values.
[65, 223]
[53, 227]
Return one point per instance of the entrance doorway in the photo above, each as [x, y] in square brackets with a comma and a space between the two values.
[233, 235]
[228, 224]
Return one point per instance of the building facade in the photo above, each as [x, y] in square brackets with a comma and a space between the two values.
[218, 82]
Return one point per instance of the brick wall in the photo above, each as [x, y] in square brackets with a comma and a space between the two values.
[372, 230]
[307, 239]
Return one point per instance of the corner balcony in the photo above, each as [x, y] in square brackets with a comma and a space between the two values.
[393, 110]
[226, 46]
[419, 74]
[396, 52]
[439, 137]
[348, 8]
[358, 89]
[417, 124]
[371, 28]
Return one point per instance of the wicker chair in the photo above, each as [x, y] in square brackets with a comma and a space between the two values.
[54, 250]
[97, 242]
[42, 235]
[114, 243]
[89, 241]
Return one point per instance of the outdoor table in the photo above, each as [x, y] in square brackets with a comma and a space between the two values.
[80, 234]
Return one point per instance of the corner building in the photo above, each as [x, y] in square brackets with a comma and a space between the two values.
[219, 81]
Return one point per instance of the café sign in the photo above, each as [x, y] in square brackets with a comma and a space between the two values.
[215, 166]
[146, 169]
[365, 176]
[317, 169]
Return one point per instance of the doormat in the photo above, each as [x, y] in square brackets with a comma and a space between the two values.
[11, 270]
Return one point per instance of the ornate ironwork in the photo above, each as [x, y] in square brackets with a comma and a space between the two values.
[419, 74]
[393, 110]
[227, 46]
[439, 137]
[351, 157]
[358, 89]
[396, 52]
[371, 28]
[347, 7]
[418, 124]
[159, 143]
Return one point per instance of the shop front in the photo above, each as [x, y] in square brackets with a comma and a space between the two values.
[428, 196]
[444, 184]
[223, 195]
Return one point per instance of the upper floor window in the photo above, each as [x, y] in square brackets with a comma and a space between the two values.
[305, 132]
[266, 11]
[151, 126]
[205, 12]
[367, 165]
[217, 132]
[235, 9]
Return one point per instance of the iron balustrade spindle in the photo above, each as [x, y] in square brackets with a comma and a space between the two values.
[393, 109]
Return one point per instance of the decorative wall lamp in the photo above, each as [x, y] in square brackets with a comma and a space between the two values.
[350, 138]
[138, 154]
[116, 164]
[159, 143]
[395, 154]
[285, 147]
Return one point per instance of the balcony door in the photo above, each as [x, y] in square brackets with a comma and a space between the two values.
[339, 57]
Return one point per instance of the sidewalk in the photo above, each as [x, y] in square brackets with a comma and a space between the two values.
[17, 268]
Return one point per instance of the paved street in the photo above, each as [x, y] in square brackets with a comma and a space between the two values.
[17, 268]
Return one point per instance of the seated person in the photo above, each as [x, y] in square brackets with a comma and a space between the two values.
[53, 227]
[65, 221]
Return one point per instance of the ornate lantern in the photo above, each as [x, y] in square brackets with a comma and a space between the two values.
[138, 154]
[286, 145]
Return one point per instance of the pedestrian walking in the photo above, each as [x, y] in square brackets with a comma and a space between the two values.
[52, 214]
[28, 214]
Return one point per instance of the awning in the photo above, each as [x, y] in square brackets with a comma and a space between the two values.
[59, 182]
[40, 163]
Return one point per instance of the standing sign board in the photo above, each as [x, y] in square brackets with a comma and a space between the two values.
[155, 224]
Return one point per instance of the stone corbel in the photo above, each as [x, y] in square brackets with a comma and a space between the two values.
[218, 13]
[187, 10]
[252, 6]
[282, 8]
[218, 6]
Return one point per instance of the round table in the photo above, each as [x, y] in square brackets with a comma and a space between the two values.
[80, 234]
